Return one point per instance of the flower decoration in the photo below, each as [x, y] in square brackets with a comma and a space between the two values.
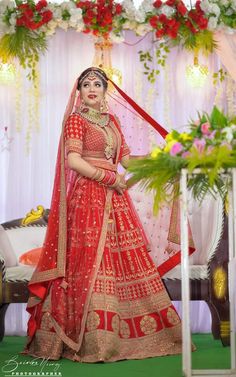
[173, 19]
[210, 145]
[220, 14]
[101, 17]
[32, 16]
[26, 24]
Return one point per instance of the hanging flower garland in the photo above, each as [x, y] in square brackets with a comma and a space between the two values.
[26, 24]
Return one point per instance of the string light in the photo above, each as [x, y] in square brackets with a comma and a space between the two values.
[7, 73]
[197, 74]
[102, 59]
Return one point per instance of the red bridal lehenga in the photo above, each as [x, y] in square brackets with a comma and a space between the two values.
[96, 295]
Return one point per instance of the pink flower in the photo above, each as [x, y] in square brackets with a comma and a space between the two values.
[211, 135]
[186, 154]
[205, 128]
[199, 144]
[176, 148]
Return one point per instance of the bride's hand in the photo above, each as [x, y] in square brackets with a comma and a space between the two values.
[120, 186]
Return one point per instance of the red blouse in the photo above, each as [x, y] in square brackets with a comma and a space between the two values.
[89, 139]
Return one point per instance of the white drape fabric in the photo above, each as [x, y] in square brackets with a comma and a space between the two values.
[27, 161]
[226, 50]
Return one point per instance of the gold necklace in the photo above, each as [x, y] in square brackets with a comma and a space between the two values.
[94, 116]
[101, 120]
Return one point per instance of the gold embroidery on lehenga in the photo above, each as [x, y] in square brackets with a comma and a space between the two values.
[172, 316]
[124, 329]
[93, 321]
[115, 323]
[148, 324]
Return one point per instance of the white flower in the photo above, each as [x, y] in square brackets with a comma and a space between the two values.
[132, 25]
[146, 6]
[228, 133]
[67, 5]
[63, 25]
[79, 26]
[3, 28]
[229, 12]
[116, 38]
[205, 6]
[12, 19]
[76, 15]
[233, 4]
[52, 24]
[57, 13]
[225, 3]
[214, 9]
[140, 16]
[129, 8]
[167, 11]
[143, 29]
[4, 4]
[212, 23]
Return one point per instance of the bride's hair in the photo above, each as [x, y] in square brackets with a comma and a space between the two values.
[97, 71]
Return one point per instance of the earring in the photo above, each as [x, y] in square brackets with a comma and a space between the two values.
[82, 105]
[104, 106]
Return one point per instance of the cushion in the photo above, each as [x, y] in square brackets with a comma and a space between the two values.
[19, 273]
[26, 238]
[31, 257]
[6, 249]
[198, 272]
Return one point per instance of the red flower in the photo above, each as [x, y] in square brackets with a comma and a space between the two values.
[23, 6]
[118, 9]
[157, 4]
[47, 16]
[20, 21]
[181, 8]
[87, 20]
[170, 2]
[41, 4]
[28, 13]
[90, 13]
[198, 5]
[202, 23]
[163, 19]
[160, 33]
[190, 26]
[153, 21]
[80, 4]
[172, 33]
[171, 22]
[86, 31]
[107, 17]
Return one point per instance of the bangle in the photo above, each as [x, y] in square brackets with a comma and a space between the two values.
[98, 175]
[109, 178]
[117, 181]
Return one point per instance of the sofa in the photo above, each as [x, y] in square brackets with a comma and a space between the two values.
[208, 269]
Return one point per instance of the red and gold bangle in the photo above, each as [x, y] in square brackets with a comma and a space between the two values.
[109, 178]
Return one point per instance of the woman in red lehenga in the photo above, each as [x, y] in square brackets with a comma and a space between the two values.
[96, 295]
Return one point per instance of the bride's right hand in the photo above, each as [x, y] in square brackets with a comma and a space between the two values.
[121, 186]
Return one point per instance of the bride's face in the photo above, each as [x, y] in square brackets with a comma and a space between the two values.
[92, 92]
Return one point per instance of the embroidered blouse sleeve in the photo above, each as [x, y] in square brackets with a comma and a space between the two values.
[73, 134]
